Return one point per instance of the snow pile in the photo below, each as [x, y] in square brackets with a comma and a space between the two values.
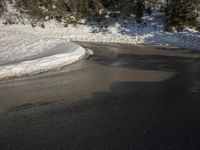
[23, 54]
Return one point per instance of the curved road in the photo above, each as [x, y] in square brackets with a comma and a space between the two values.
[123, 97]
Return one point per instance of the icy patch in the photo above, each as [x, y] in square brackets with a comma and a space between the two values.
[90, 52]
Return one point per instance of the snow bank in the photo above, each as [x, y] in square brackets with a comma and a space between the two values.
[24, 54]
[27, 50]
[16, 46]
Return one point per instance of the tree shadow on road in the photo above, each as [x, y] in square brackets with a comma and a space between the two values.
[132, 115]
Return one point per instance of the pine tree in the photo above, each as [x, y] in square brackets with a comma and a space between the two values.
[140, 6]
[181, 13]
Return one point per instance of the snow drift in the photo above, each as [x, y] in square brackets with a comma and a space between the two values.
[24, 55]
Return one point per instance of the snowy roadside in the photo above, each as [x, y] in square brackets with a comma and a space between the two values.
[25, 54]
[26, 50]
[153, 33]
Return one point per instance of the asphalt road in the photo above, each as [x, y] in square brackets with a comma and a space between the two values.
[123, 97]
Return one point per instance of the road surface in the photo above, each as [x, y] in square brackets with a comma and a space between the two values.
[123, 97]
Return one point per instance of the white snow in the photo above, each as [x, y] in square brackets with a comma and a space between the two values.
[151, 32]
[25, 50]
[23, 54]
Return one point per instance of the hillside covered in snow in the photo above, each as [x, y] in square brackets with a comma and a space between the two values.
[30, 29]
[137, 22]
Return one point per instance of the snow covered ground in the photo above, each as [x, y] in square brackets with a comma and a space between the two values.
[27, 50]
[151, 32]
[24, 54]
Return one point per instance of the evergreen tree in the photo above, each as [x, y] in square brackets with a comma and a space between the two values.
[181, 13]
[140, 6]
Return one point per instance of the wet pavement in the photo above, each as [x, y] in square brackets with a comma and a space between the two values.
[122, 97]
